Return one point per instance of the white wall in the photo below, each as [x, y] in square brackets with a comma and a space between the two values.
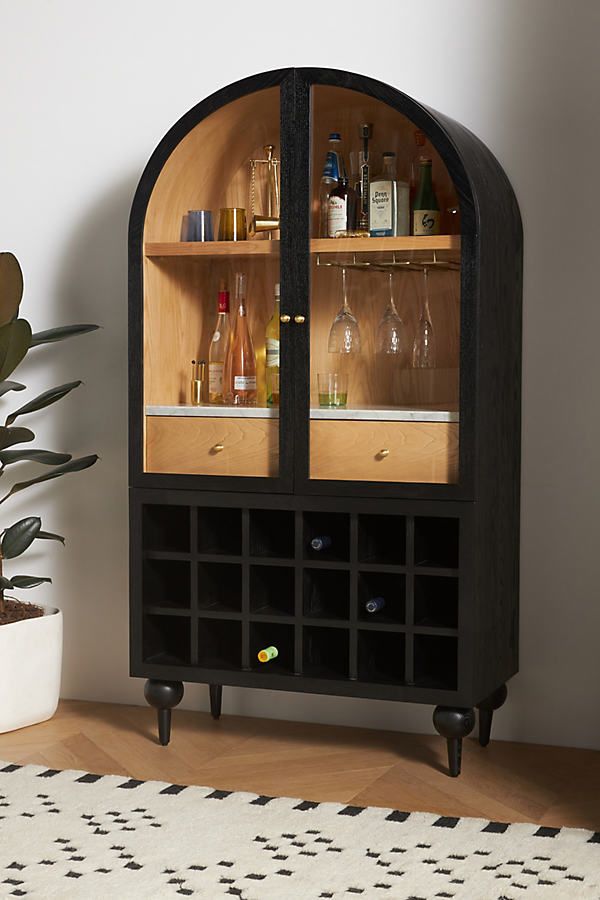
[88, 89]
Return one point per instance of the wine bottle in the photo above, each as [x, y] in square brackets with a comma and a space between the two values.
[389, 212]
[321, 542]
[341, 208]
[426, 210]
[420, 140]
[240, 360]
[333, 171]
[218, 348]
[375, 604]
[272, 355]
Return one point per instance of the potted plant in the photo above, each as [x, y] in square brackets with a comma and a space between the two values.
[30, 634]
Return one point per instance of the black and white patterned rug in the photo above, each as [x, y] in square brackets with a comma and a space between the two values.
[77, 835]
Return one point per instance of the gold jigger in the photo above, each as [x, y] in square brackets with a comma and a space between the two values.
[263, 223]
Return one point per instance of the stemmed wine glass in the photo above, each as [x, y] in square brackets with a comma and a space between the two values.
[344, 336]
[391, 327]
[424, 343]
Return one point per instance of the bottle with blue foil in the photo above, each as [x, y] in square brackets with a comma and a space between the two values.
[333, 172]
[321, 542]
[374, 604]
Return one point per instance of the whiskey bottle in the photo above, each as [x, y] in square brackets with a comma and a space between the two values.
[333, 171]
[272, 354]
[240, 360]
[426, 210]
[218, 348]
[389, 213]
[341, 208]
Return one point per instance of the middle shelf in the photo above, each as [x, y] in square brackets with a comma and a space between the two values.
[364, 413]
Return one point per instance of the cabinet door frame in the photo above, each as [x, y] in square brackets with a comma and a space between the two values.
[440, 132]
[283, 482]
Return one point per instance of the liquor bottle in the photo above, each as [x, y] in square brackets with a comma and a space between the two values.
[426, 210]
[333, 171]
[341, 208]
[375, 604]
[389, 213]
[272, 357]
[420, 140]
[365, 132]
[240, 361]
[321, 542]
[218, 348]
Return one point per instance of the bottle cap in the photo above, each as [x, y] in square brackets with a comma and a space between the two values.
[424, 161]
[277, 291]
[420, 138]
[223, 300]
[388, 153]
[335, 136]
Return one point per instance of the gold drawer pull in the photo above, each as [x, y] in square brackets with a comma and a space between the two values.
[299, 320]
[218, 447]
[383, 453]
[285, 319]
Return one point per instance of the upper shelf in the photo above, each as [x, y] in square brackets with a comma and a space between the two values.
[320, 245]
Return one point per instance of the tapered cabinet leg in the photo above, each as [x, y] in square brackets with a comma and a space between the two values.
[216, 697]
[454, 724]
[486, 713]
[163, 696]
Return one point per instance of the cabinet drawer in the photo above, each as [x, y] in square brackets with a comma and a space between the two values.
[180, 445]
[416, 451]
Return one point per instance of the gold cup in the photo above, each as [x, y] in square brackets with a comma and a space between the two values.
[263, 223]
[232, 224]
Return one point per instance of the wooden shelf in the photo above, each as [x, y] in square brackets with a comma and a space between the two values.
[379, 245]
[442, 242]
[211, 248]
[386, 414]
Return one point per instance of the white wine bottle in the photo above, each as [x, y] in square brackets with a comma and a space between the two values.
[272, 354]
[240, 359]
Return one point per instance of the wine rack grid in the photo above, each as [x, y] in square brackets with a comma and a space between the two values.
[220, 583]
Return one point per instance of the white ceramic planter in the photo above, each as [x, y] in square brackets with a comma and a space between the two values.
[30, 669]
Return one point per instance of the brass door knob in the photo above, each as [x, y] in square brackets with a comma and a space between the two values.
[299, 320]
[383, 453]
[285, 319]
[218, 447]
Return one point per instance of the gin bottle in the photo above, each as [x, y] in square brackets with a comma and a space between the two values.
[389, 212]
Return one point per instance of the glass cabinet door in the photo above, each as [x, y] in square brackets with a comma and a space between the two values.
[384, 299]
[211, 401]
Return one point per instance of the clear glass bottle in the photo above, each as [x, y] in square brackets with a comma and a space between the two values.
[333, 171]
[240, 359]
[218, 349]
[389, 212]
[426, 210]
[272, 354]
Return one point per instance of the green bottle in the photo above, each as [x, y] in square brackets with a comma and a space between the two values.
[426, 210]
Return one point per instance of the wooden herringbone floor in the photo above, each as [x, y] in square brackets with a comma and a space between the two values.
[506, 782]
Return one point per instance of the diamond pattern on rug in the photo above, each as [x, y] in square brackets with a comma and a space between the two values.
[80, 835]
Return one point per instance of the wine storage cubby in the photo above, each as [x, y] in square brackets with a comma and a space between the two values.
[355, 530]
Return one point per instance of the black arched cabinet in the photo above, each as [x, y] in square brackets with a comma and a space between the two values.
[414, 483]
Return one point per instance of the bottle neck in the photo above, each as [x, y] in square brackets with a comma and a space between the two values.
[223, 302]
[425, 176]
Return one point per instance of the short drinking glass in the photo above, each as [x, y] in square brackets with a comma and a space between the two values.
[333, 390]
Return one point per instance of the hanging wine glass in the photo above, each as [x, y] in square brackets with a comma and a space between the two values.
[390, 330]
[344, 336]
[424, 343]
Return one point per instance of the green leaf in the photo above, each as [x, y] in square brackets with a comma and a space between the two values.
[15, 339]
[75, 465]
[6, 386]
[28, 581]
[46, 457]
[49, 536]
[5, 583]
[59, 334]
[43, 400]
[20, 536]
[10, 436]
[11, 287]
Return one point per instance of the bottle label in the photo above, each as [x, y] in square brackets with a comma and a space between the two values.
[216, 336]
[426, 221]
[272, 347]
[244, 383]
[215, 378]
[381, 211]
[336, 215]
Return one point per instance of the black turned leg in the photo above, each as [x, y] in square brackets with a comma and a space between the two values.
[163, 696]
[216, 696]
[453, 724]
[486, 712]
